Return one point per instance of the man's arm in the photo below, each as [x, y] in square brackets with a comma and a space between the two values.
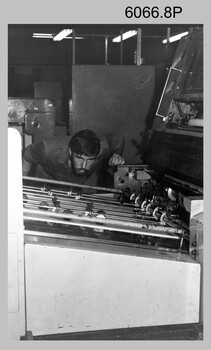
[116, 145]
[32, 154]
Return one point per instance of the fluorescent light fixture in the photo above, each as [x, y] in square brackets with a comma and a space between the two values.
[62, 34]
[51, 36]
[42, 35]
[125, 36]
[175, 37]
[76, 37]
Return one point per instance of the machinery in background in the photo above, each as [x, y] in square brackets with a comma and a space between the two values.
[175, 144]
[181, 104]
[33, 118]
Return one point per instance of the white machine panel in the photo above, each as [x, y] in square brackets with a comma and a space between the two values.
[70, 290]
[16, 303]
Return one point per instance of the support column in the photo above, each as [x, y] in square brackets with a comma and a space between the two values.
[138, 51]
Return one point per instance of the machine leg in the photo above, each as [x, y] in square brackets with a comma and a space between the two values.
[29, 336]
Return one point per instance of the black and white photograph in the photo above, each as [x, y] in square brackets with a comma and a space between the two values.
[105, 180]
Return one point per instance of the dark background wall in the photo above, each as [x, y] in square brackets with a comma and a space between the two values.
[44, 60]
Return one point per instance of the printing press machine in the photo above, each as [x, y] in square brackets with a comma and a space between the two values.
[125, 258]
[102, 261]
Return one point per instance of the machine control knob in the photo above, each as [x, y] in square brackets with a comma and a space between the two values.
[194, 243]
[35, 124]
[120, 180]
[193, 252]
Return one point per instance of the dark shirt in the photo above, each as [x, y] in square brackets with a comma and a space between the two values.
[51, 159]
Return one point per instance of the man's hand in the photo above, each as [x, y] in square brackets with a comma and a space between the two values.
[116, 159]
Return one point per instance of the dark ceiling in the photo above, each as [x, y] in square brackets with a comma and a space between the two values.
[23, 48]
[44, 60]
[110, 30]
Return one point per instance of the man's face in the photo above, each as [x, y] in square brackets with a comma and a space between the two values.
[80, 163]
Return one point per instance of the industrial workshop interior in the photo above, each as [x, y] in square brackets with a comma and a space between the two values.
[105, 182]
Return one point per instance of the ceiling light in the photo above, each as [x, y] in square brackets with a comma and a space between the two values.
[42, 35]
[51, 36]
[175, 37]
[76, 37]
[62, 34]
[124, 36]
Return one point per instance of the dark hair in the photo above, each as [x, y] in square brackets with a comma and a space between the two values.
[86, 143]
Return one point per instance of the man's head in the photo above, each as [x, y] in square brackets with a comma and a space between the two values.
[83, 149]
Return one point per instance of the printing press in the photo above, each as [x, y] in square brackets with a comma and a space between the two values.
[123, 257]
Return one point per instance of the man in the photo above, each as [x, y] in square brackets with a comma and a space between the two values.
[84, 159]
